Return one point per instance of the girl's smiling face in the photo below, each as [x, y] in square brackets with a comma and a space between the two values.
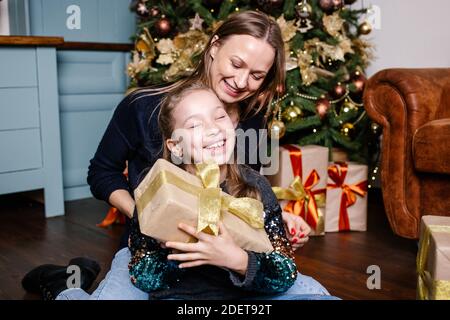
[202, 129]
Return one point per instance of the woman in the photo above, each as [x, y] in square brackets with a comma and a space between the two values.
[244, 64]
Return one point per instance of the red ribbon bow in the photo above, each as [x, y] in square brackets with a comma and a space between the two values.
[349, 192]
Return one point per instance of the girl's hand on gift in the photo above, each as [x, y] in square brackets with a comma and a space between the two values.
[297, 230]
[218, 250]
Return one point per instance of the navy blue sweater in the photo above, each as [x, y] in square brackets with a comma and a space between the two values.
[133, 136]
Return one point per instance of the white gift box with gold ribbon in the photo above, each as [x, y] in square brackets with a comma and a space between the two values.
[169, 195]
[433, 259]
[300, 183]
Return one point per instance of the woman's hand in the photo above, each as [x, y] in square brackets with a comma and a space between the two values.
[218, 250]
[297, 230]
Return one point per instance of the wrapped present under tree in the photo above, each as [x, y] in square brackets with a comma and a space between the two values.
[346, 201]
[300, 183]
[433, 259]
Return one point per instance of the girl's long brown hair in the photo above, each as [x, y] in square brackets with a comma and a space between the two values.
[252, 23]
[236, 185]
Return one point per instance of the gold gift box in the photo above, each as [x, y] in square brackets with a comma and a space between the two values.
[433, 259]
[169, 195]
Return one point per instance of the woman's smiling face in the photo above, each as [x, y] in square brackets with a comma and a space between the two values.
[202, 129]
[239, 66]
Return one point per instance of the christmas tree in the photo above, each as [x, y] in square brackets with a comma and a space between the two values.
[326, 53]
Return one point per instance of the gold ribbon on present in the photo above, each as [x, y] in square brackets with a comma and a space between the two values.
[349, 192]
[211, 199]
[427, 287]
[303, 200]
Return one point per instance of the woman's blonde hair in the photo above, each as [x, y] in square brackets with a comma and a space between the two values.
[255, 24]
[236, 185]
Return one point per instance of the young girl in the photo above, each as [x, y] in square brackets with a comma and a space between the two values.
[196, 127]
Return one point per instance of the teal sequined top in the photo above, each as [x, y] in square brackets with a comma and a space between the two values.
[267, 273]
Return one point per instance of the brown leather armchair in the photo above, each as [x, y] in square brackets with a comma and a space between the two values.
[413, 107]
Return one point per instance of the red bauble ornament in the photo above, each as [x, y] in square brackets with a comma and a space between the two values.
[163, 27]
[330, 5]
[338, 91]
[326, 5]
[337, 4]
[359, 81]
[322, 106]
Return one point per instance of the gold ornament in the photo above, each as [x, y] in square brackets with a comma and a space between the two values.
[348, 106]
[277, 129]
[347, 129]
[291, 113]
[137, 65]
[185, 46]
[324, 50]
[333, 24]
[364, 28]
[345, 44]
[304, 10]
[306, 70]
[329, 51]
[308, 76]
[288, 28]
[145, 45]
[365, 50]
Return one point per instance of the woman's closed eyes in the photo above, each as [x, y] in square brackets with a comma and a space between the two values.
[237, 65]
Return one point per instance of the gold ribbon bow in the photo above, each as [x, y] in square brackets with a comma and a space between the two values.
[212, 201]
[440, 289]
[303, 201]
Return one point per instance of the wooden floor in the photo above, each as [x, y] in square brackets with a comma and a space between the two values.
[338, 260]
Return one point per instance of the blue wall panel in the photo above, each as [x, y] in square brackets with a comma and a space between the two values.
[84, 72]
[19, 108]
[91, 84]
[100, 20]
[18, 68]
[20, 150]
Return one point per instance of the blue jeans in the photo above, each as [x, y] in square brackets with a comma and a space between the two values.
[117, 286]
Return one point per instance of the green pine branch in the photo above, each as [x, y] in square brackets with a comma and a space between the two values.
[343, 141]
[303, 123]
[289, 9]
[337, 121]
[314, 138]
